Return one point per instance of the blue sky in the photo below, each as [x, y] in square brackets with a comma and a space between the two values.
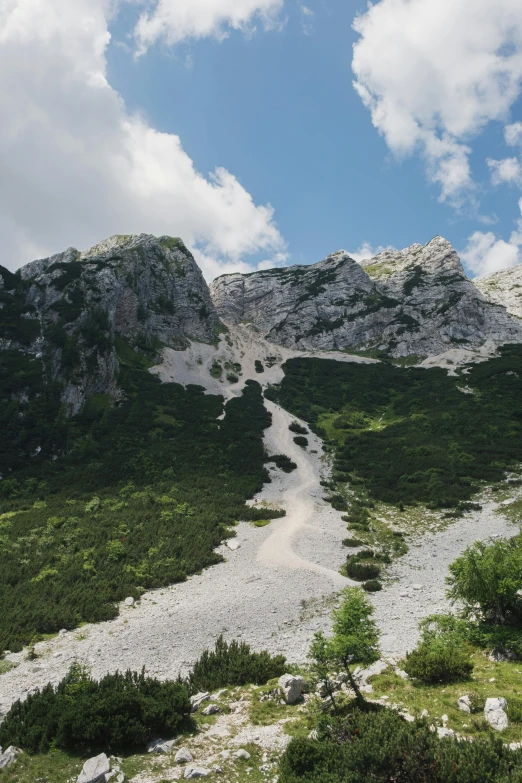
[263, 90]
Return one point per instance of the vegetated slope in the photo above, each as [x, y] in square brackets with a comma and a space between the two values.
[412, 434]
[140, 498]
[505, 288]
[66, 311]
[415, 301]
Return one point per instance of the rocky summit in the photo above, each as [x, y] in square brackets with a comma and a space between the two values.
[504, 288]
[73, 308]
[416, 301]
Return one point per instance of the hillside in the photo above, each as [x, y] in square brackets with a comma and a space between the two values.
[417, 301]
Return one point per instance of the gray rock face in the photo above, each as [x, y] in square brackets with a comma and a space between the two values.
[504, 288]
[495, 713]
[414, 301]
[292, 687]
[95, 769]
[125, 294]
[9, 756]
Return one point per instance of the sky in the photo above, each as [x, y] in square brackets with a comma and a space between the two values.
[262, 132]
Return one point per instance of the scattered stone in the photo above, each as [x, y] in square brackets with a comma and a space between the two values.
[183, 756]
[442, 731]
[212, 709]
[219, 694]
[378, 667]
[62, 632]
[129, 601]
[197, 700]
[217, 769]
[425, 714]
[242, 754]
[445, 719]
[402, 674]
[95, 769]
[232, 544]
[9, 757]
[160, 746]
[191, 773]
[464, 704]
[495, 714]
[292, 687]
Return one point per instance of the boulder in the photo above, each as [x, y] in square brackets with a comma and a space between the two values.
[292, 687]
[442, 731]
[95, 769]
[212, 709]
[197, 700]
[495, 714]
[378, 667]
[464, 704]
[9, 756]
[129, 601]
[191, 773]
[242, 754]
[183, 756]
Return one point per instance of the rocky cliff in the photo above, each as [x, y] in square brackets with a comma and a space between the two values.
[417, 301]
[76, 310]
[504, 288]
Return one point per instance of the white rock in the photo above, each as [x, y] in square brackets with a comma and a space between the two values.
[9, 756]
[292, 687]
[129, 601]
[212, 709]
[494, 712]
[378, 667]
[95, 769]
[191, 773]
[160, 746]
[442, 731]
[464, 704]
[232, 544]
[242, 754]
[197, 700]
[183, 756]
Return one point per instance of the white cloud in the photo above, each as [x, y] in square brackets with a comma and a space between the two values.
[76, 166]
[433, 73]
[485, 253]
[176, 20]
[307, 15]
[513, 134]
[507, 171]
[366, 251]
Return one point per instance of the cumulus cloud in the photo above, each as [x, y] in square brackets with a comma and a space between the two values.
[366, 251]
[76, 166]
[507, 171]
[433, 73]
[485, 253]
[176, 20]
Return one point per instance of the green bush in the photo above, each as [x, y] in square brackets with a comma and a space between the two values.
[300, 440]
[232, 378]
[233, 664]
[117, 713]
[297, 428]
[380, 747]
[361, 571]
[440, 659]
[258, 366]
[372, 586]
[352, 542]
[487, 579]
[283, 462]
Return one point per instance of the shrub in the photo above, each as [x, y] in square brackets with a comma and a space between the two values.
[380, 747]
[232, 378]
[258, 366]
[488, 576]
[297, 428]
[117, 713]
[441, 659]
[352, 542]
[283, 462]
[300, 440]
[372, 586]
[362, 571]
[233, 664]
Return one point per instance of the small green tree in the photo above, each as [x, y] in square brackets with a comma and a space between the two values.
[355, 639]
[488, 578]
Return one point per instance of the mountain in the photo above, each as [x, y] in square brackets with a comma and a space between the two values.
[504, 288]
[72, 309]
[416, 301]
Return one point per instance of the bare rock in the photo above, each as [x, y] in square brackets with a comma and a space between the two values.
[212, 709]
[9, 756]
[464, 704]
[495, 714]
[242, 754]
[292, 687]
[183, 756]
[197, 700]
[191, 773]
[95, 769]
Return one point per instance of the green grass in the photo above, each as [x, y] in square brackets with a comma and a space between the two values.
[7, 666]
[441, 700]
